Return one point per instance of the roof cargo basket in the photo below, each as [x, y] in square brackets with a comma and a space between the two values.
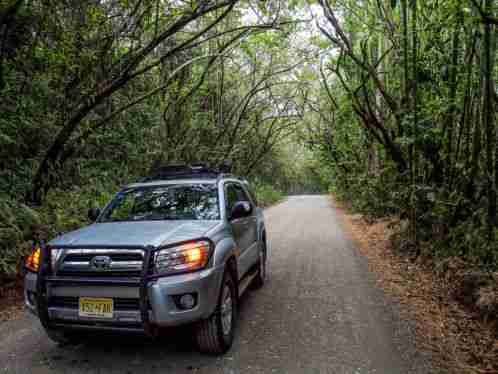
[193, 171]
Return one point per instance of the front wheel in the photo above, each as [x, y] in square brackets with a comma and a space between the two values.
[215, 334]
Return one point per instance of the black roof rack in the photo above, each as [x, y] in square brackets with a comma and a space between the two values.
[194, 171]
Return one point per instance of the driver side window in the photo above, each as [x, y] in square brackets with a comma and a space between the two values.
[234, 193]
[231, 197]
[241, 194]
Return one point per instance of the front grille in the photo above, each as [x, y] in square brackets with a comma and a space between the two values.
[120, 263]
[72, 302]
[116, 257]
[102, 274]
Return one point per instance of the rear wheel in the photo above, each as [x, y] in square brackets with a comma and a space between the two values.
[259, 279]
[215, 334]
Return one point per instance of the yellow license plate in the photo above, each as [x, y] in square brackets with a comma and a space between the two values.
[93, 307]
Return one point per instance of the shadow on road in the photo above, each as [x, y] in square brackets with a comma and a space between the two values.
[174, 349]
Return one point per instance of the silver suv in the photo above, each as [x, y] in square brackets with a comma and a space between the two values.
[180, 247]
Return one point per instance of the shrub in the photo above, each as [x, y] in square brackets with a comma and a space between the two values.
[267, 195]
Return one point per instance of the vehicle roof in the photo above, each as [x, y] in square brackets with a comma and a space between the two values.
[185, 181]
[186, 174]
[173, 181]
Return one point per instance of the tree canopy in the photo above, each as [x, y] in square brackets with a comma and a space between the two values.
[390, 104]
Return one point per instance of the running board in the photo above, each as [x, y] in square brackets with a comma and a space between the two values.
[245, 282]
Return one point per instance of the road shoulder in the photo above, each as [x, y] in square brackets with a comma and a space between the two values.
[455, 338]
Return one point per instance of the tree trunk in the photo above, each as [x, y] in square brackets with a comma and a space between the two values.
[406, 68]
[453, 83]
[488, 119]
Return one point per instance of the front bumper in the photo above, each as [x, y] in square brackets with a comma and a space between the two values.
[61, 297]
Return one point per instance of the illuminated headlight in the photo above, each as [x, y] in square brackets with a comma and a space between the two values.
[183, 258]
[33, 260]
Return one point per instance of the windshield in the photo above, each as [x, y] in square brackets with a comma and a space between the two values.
[172, 202]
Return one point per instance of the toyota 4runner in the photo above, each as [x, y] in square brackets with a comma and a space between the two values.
[180, 247]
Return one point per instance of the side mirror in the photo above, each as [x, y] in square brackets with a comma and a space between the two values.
[241, 209]
[93, 214]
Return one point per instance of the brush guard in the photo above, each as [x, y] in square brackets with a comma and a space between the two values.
[45, 276]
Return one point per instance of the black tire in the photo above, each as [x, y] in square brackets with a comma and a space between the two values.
[259, 279]
[210, 335]
[64, 337]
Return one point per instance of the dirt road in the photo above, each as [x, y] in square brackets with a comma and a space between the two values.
[320, 312]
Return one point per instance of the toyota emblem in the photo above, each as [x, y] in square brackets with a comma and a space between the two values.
[101, 262]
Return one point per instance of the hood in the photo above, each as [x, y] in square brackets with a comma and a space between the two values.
[135, 233]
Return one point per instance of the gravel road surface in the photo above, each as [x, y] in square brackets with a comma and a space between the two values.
[320, 312]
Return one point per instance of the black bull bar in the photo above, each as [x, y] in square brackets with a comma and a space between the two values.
[45, 276]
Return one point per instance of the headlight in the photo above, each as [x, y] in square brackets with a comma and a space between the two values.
[183, 258]
[33, 260]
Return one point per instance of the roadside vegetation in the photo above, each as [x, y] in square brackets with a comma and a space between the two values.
[95, 94]
[405, 123]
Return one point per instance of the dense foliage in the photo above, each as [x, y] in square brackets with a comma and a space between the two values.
[391, 103]
[405, 119]
[96, 93]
